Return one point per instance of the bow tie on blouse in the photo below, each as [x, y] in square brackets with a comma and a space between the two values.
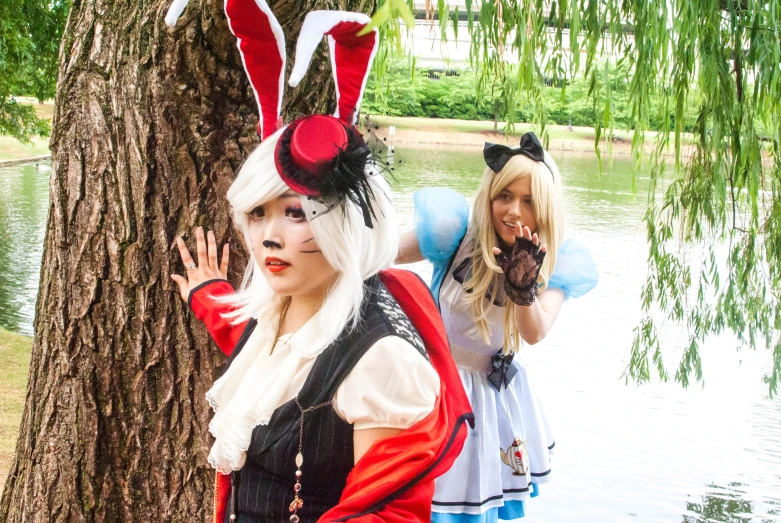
[502, 371]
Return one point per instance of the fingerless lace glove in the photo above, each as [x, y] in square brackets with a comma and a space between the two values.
[521, 264]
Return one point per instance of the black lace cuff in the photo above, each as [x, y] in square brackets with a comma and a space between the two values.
[523, 296]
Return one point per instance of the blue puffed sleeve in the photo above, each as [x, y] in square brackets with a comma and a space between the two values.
[441, 217]
[575, 272]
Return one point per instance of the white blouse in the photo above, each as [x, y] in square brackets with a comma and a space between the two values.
[391, 386]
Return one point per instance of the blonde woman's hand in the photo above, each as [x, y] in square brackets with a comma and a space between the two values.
[521, 264]
[207, 267]
[524, 232]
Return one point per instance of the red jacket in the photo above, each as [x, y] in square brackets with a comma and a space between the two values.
[394, 480]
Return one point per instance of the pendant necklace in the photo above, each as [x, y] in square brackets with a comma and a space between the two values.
[298, 502]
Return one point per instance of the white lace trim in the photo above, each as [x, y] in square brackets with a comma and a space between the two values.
[233, 435]
[212, 402]
[255, 385]
[248, 394]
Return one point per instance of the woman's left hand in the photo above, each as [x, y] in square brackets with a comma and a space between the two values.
[521, 265]
[207, 267]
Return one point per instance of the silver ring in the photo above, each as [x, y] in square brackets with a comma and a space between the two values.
[191, 266]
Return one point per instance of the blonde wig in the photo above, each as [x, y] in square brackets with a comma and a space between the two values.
[548, 212]
[354, 250]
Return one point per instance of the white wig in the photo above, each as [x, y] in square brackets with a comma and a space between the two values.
[356, 251]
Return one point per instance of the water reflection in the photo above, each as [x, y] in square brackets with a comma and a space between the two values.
[725, 504]
[24, 200]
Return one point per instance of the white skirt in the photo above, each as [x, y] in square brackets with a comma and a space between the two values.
[509, 448]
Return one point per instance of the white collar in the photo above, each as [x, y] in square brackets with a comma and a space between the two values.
[308, 341]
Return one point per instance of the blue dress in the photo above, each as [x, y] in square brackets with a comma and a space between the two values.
[508, 452]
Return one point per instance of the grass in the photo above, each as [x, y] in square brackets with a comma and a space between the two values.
[14, 360]
[575, 138]
[44, 109]
[562, 137]
[422, 124]
[557, 132]
[12, 149]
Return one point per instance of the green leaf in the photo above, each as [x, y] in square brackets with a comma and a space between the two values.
[403, 10]
[381, 16]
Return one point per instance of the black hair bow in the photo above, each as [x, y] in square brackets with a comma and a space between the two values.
[497, 155]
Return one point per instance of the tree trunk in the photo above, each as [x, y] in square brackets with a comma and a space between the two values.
[150, 125]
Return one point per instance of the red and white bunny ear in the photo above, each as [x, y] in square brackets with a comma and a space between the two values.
[351, 55]
[262, 46]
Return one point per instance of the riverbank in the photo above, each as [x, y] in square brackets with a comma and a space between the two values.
[14, 362]
[471, 133]
[13, 149]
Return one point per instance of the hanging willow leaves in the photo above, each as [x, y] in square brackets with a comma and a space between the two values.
[714, 214]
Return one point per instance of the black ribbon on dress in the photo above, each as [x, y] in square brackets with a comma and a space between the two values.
[497, 155]
[502, 371]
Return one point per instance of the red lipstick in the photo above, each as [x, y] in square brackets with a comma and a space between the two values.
[275, 264]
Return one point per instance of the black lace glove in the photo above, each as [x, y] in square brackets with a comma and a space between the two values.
[521, 264]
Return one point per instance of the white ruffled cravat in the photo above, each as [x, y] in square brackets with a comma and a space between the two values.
[254, 386]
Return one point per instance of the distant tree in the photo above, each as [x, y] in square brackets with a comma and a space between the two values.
[30, 34]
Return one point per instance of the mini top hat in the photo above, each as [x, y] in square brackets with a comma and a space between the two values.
[309, 146]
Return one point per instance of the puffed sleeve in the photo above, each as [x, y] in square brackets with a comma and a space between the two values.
[441, 217]
[575, 272]
[391, 386]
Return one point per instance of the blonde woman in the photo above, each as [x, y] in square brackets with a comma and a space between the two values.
[500, 281]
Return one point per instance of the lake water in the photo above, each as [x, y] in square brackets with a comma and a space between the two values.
[654, 452]
[24, 201]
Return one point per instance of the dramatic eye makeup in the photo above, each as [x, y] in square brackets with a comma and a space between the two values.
[295, 212]
[256, 213]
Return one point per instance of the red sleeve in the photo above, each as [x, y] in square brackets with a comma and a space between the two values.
[202, 301]
[222, 490]
[413, 505]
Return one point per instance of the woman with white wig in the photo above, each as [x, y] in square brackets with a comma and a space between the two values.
[340, 400]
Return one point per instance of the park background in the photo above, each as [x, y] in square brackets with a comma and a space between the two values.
[625, 452]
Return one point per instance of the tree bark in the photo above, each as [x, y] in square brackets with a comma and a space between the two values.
[150, 125]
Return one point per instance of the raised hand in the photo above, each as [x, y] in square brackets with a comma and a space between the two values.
[207, 267]
[521, 265]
